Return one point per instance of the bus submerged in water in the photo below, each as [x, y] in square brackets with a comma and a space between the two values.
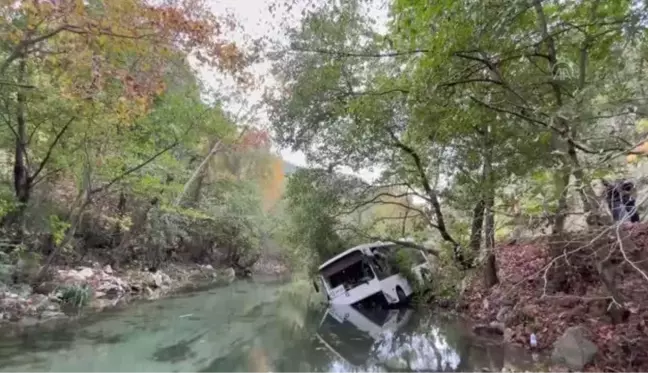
[367, 273]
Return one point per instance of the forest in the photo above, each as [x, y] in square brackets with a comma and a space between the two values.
[496, 127]
[113, 147]
[492, 129]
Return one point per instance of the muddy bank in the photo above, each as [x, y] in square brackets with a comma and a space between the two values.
[96, 287]
[576, 325]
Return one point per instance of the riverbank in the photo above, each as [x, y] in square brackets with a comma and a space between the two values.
[575, 324]
[95, 288]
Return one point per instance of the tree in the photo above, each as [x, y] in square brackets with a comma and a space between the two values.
[457, 118]
[95, 60]
[314, 200]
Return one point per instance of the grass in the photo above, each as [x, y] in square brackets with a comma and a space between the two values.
[76, 295]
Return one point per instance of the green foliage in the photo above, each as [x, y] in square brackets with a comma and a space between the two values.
[77, 296]
[314, 205]
[453, 88]
[403, 262]
[58, 228]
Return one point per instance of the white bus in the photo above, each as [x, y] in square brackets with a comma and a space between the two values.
[368, 271]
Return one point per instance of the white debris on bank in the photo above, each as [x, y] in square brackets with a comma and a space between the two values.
[108, 288]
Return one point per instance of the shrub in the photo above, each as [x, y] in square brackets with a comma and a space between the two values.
[76, 295]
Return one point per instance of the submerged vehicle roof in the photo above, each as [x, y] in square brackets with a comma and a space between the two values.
[354, 249]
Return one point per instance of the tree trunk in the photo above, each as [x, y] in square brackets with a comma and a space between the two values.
[561, 183]
[121, 211]
[490, 264]
[21, 179]
[476, 227]
[198, 171]
[196, 193]
[201, 167]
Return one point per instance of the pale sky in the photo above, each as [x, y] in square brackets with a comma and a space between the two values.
[257, 21]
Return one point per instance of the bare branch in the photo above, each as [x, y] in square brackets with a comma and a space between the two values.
[51, 147]
[133, 169]
[360, 54]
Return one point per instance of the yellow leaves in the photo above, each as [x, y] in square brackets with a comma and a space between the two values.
[79, 7]
[160, 89]
[122, 110]
[127, 110]
[642, 125]
[273, 184]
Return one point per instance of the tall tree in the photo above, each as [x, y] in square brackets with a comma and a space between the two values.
[105, 60]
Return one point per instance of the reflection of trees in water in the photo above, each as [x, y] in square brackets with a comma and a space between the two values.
[425, 343]
[284, 338]
[416, 351]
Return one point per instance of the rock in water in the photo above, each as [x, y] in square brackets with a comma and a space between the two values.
[227, 276]
[574, 349]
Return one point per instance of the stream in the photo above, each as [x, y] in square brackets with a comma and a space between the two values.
[256, 326]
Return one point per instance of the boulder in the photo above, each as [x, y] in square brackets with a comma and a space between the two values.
[110, 287]
[108, 269]
[574, 349]
[75, 277]
[227, 276]
[86, 273]
[22, 291]
[46, 287]
[38, 302]
[139, 280]
[161, 279]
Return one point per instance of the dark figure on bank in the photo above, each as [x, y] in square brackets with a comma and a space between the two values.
[620, 200]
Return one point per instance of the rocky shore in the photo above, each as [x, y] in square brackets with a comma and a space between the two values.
[97, 287]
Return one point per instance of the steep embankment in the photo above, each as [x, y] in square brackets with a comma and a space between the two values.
[545, 297]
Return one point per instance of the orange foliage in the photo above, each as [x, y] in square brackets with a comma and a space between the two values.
[92, 45]
[254, 139]
[641, 149]
[273, 187]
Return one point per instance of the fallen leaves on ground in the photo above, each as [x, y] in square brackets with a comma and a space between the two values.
[521, 271]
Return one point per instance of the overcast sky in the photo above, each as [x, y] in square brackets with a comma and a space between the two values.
[257, 21]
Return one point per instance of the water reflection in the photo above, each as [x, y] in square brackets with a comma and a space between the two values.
[384, 340]
[256, 327]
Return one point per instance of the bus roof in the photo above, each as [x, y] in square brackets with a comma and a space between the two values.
[354, 249]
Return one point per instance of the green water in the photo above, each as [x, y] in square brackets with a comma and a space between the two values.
[251, 326]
